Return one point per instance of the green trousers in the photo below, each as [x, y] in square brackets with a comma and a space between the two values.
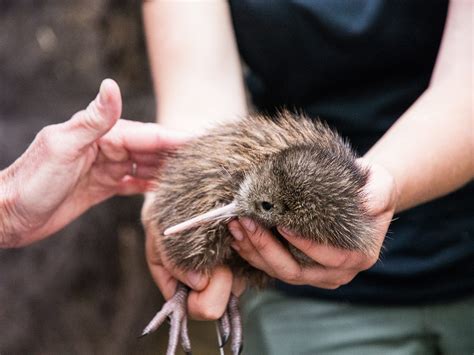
[276, 324]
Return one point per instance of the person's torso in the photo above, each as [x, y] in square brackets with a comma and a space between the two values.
[359, 65]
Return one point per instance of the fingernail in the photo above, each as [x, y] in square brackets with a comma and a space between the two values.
[194, 278]
[237, 233]
[235, 246]
[248, 224]
[286, 231]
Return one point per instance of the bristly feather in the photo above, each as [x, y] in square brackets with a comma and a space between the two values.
[208, 172]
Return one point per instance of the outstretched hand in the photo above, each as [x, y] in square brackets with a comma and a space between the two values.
[74, 165]
[335, 267]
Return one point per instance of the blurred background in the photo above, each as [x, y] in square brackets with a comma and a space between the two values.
[86, 290]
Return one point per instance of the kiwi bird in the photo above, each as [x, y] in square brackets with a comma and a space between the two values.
[288, 171]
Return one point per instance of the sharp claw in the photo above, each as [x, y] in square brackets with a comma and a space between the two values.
[224, 329]
[226, 339]
[144, 334]
[185, 341]
[241, 348]
[223, 342]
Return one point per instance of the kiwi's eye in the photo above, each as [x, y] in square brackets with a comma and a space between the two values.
[266, 206]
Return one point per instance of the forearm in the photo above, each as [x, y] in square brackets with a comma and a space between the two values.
[194, 61]
[429, 150]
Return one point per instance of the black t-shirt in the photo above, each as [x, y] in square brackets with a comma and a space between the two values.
[359, 65]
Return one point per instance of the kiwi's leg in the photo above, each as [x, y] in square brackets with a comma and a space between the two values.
[175, 310]
[235, 325]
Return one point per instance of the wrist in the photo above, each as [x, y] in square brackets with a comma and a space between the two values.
[385, 183]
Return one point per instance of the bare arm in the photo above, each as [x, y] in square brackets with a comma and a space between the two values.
[194, 61]
[429, 150]
[198, 81]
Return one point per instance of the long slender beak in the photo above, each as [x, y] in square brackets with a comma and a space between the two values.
[226, 211]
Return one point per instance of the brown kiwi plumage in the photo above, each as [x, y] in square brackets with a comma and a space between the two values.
[288, 171]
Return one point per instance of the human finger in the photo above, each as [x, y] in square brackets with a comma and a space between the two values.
[86, 126]
[245, 249]
[323, 254]
[211, 302]
[111, 173]
[133, 186]
[284, 267]
[162, 277]
[151, 159]
[328, 278]
[331, 257]
[140, 137]
[164, 280]
[166, 276]
[194, 279]
[274, 254]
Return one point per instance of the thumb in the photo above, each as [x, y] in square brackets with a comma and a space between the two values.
[98, 118]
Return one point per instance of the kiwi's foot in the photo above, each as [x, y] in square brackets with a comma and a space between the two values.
[175, 310]
[230, 324]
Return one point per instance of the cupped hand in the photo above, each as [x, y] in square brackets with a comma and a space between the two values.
[209, 293]
[74, 165]
[334, 267]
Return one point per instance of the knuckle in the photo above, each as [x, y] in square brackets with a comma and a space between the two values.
[291, 276]
[146, 209]
[153, 259]
[341, 280]
[107, 143]
[50, 142]
[307, 244]
[335, 282]
[369, 262]
[326, 285]
[345, 279]
[263, 246]
[259, 266]
[262, 239]
[153, 252]
[91, 115]
[112, 148]
[259, 237]
[208, 313]
[271, 273]
[339, 260]
[234, 228]
[45, 137]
